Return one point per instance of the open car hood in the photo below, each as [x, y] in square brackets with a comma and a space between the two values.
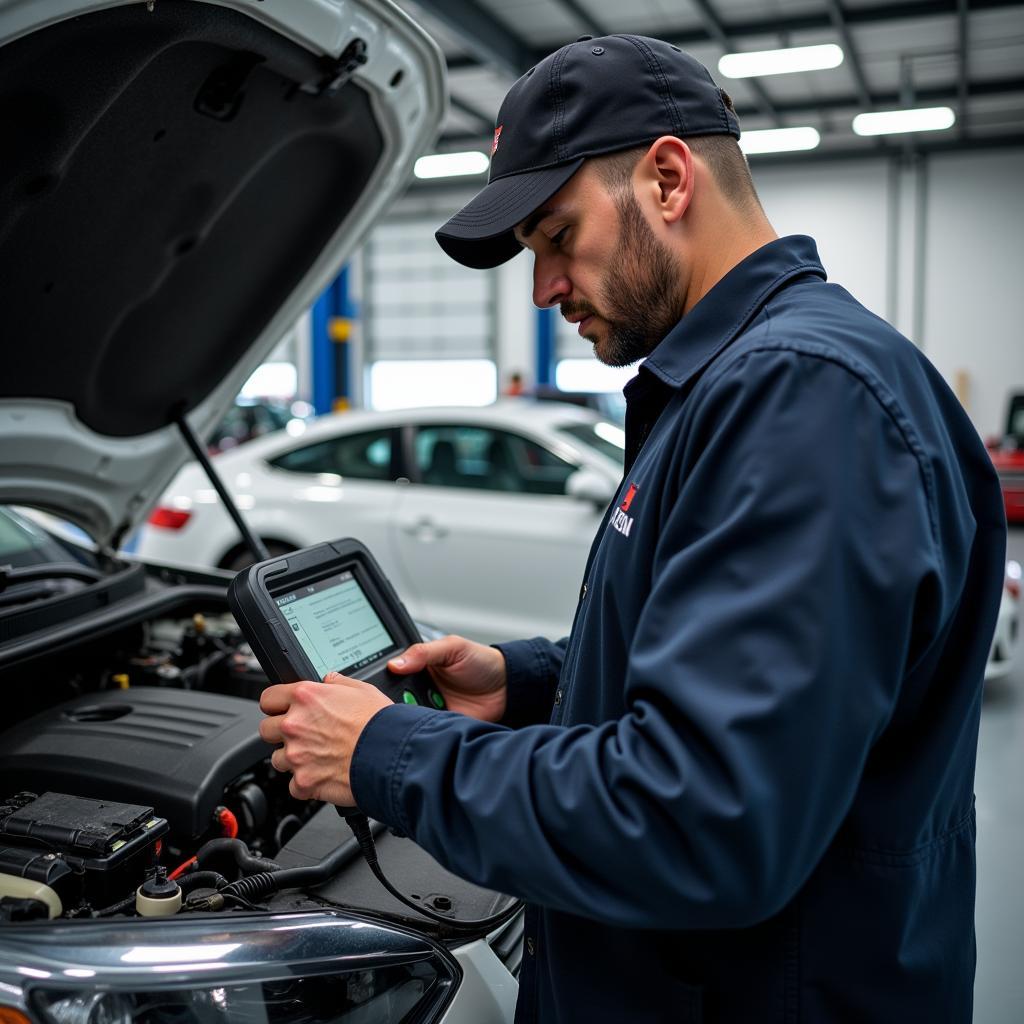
[180, 180]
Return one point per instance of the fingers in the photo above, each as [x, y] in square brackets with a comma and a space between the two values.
[419, 656]
[275, 700]
[336, 678]
[270, 731]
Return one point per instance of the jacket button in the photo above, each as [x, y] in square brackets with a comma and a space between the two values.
[529, 946]
[558, 696]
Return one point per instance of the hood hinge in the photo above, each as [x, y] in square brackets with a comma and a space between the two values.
[338, 72]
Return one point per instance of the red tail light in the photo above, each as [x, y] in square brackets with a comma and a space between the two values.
[169, 518]
[1013, 586]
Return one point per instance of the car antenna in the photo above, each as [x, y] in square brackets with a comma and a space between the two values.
[252, 542]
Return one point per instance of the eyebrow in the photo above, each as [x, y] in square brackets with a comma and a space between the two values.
[533, 220]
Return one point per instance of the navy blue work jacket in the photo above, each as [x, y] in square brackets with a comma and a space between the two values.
[742, 790]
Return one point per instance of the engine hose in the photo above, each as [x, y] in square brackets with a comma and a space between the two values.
[257, 886]
[253, 887]
[247, 862]
[201, 880]
[116, 908]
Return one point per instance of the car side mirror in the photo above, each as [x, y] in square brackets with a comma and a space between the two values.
[589, 485]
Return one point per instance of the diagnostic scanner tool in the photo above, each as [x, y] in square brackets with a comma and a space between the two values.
[328, 608]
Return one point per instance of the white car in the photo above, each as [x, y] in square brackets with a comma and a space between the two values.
[1005, 639]
[481, 517]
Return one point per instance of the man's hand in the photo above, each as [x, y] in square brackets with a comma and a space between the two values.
[470, 676]
[319, 725]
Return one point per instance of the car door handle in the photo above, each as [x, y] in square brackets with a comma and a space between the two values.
[426, 530]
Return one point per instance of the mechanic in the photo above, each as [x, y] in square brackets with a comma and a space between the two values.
[741, 789]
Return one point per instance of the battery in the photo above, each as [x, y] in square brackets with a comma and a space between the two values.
[107, 845]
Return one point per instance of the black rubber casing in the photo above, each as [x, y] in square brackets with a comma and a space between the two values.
[251, 597]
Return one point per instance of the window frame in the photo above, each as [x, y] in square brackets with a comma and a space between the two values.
[559, 450]
[395, 466]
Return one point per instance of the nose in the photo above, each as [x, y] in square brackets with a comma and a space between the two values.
[551, 285]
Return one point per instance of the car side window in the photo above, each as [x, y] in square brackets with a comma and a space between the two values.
[365, 456]
[1015, 424]
[486, 459]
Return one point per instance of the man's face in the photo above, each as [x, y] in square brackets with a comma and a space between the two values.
[597, 258]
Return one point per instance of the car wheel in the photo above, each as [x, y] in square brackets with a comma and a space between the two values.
[238, 558]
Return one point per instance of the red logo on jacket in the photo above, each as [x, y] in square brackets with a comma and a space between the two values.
[619, 520]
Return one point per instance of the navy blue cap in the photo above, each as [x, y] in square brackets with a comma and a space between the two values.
[591, 97]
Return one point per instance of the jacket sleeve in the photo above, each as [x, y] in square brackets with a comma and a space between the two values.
[766, 662]
[532, 668]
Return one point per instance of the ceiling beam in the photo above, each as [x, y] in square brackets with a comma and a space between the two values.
[486, 123]
[902, 10]
[589, 22]
[838, 18]
[963, 70]
[491, 41]
[876, 14]
[715, 30]
[933, 94]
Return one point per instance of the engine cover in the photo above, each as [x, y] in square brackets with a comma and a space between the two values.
[174, 750]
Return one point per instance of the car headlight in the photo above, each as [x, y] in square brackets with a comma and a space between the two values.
[321, 968]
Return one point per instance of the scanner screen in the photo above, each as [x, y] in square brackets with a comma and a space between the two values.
[336, 625]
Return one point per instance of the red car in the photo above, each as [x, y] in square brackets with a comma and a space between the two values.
[1008, 458]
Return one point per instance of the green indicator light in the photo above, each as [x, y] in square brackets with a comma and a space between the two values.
[409, 697]
[436, 699]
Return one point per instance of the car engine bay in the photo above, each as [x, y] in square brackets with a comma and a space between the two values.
[138, 750]
[135, 783]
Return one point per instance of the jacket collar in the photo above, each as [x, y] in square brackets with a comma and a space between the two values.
[727, 308]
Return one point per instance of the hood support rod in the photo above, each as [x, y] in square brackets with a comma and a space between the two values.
[252, 542]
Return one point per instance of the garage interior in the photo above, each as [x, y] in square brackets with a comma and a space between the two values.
[924, 228]
[923, 223]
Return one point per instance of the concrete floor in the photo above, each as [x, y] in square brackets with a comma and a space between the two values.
[999, 986]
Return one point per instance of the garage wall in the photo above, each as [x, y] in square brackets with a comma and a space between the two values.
[974, 278]
[419, 304]
[937, 248]
[845, 208]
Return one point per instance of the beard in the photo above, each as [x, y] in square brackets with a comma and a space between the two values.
[642, 295]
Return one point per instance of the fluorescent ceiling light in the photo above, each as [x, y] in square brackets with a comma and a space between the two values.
[450, 165]
[779, 140]
[893, 122]
[781, 62]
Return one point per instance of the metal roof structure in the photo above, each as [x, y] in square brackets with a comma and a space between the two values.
[965, 54]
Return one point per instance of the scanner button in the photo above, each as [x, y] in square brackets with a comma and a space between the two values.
[409, 697]
[436, 699]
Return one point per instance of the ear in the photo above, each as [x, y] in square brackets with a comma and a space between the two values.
[666, 173]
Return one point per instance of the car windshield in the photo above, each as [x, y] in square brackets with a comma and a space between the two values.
[24, 543]
[603, 436]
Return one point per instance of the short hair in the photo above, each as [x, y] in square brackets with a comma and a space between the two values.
[721, 153]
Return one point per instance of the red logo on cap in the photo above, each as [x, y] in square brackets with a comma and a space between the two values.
[497, 135]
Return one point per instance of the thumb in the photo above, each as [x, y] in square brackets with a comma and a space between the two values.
[412, 659]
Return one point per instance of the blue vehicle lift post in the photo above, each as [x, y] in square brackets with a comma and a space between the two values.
[332, 317]
[546, 324]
